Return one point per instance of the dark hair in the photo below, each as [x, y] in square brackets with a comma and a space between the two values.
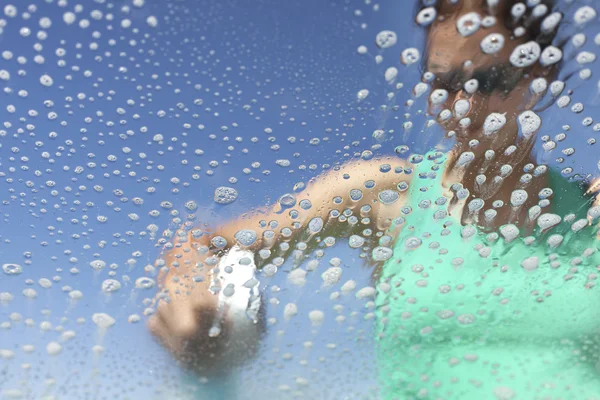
[445, 8]
[533, 25]
[505, 77]
[501, 77]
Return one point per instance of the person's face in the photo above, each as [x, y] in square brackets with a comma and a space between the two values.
[454, 59]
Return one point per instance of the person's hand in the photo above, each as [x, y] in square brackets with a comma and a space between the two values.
[188, 323]
[185, 311]
[594, 189]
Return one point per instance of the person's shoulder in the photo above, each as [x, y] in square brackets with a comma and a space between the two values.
[570, 195]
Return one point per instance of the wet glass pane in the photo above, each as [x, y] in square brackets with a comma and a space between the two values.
[312, 199]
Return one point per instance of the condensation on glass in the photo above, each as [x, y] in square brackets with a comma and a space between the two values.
[326, 199]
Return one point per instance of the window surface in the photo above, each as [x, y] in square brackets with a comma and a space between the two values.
[299, 199]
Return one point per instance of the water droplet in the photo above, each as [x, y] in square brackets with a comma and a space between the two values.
[110, 285]
[103, 320]
[225, 195]
[386, 39]
[12, 269]
[331, 276]
[525, 55]
[53, 348]
[316, 317]
[530, 264]
[381, 253]
[492, 43]
[410, 56]
[493, 123]
[426, 16]
[246, 237]
[468, 24]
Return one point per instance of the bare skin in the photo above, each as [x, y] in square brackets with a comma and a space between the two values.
[182, 323]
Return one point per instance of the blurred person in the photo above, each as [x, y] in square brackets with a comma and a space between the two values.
[490, 289]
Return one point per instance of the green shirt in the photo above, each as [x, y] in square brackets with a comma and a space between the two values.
[463, 314]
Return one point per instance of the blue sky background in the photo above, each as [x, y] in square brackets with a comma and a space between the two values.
[291, 67]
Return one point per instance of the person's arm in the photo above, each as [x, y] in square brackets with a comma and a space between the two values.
[322, 193]
[594, 188]
[186, 307]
